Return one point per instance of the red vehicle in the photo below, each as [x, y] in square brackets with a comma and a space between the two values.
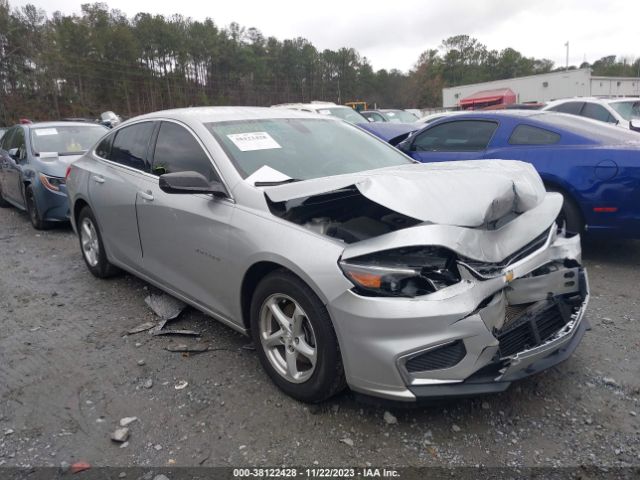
[488, 99]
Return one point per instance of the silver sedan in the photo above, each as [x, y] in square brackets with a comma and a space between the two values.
[347, 262]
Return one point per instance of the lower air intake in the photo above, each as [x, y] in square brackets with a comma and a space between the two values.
[438, 358]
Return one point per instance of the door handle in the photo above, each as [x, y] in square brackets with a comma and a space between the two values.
[146, 195]
[97, 178]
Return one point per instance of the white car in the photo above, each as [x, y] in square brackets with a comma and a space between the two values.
[617, 111]
[432, 117]
[326, 108]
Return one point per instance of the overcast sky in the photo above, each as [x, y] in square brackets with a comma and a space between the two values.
[393, 34]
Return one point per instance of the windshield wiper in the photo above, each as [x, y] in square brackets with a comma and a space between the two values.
[276, 182]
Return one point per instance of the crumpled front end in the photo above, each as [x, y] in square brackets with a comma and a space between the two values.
[515, 308]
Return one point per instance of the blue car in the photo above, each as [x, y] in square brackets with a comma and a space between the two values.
[595, 167]
[33, 163]
[392, 133]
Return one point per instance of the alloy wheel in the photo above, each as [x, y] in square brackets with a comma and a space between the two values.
[89, 242]
[288, 339]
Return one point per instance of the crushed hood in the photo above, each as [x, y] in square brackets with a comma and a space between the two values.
[463, 193]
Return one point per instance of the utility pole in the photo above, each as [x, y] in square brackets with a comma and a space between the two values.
[567, 45]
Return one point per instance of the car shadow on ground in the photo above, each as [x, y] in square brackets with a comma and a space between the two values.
[611, 251]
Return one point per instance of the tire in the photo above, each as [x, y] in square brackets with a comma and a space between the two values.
[33, 211]
[570, 216]
[92, 247]
[313, 330]
[3, 202]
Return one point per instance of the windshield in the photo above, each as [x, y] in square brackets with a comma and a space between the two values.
[302, 148]
[65, 139]
[348, 114]
[400, 116]
[627, 110]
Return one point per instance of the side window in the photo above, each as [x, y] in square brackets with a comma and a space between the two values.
[569, 107]
[528, 135]
[17, 141]
[104, 147]
[177, 150]
[597, 112]
[460, 136]
[6, 139]
[130, 146]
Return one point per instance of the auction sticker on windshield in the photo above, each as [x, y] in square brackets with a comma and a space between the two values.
[247, 142]
[41, 132]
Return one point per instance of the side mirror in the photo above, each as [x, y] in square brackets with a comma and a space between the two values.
[190, 182]
[406, 145]
[14, 153]
[370, 119]
[634, 124]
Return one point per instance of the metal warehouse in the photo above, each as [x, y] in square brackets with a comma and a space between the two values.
[548, 86]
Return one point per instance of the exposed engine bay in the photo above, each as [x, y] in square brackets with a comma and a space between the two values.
[344, 214]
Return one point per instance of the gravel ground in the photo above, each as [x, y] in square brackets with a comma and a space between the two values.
[69, 373]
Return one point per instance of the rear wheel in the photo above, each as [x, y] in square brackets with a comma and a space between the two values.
[570, 216]
[34, 212]
[92, 246]
[295, 339]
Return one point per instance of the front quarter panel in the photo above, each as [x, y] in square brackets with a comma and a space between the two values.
[259, 237]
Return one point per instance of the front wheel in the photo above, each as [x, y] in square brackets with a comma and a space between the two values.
[35, 215]
[92, 246]
[295, 339]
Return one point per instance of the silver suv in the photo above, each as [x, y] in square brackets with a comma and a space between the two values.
[347, 262]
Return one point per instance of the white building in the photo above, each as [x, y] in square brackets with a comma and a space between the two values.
[549, 86]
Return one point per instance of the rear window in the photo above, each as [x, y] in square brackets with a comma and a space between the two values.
[529, 135]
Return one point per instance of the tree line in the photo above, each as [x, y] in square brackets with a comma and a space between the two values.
[80, 65]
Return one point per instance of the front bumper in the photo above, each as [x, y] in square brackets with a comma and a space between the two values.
[384, 340]
[54, 206]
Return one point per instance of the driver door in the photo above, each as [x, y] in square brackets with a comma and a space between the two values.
[184, 237]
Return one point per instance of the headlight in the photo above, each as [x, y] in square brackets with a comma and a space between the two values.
[51, 183]
[402, 272]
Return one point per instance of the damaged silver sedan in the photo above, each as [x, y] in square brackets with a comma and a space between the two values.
[346, 262]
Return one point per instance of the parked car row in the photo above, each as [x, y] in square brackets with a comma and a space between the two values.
[427, 280]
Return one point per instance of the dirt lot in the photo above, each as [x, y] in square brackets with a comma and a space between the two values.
[69, 373]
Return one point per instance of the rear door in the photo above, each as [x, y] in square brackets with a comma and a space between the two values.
[184, 236]
[453, 140]
[114, 183]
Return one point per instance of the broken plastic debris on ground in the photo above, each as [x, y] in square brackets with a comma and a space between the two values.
[165, 306]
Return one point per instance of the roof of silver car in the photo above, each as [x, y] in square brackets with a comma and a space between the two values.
[221, 114]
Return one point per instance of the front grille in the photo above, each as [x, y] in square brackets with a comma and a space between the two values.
[438, 358]
[532, 328]
[491, 269]
[512, 312]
